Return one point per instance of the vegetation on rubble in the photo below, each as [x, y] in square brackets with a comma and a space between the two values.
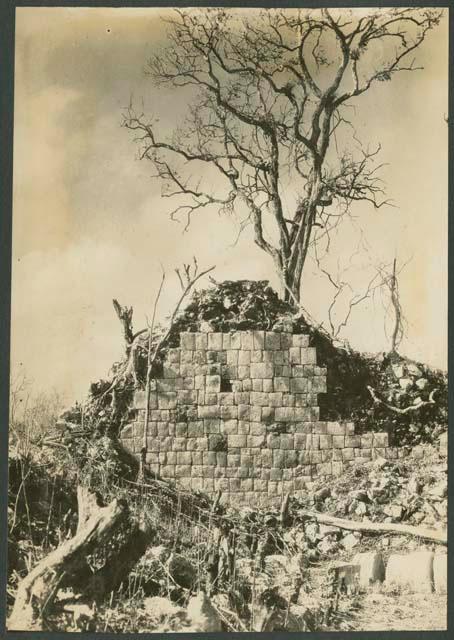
[278, 567]
[189, 533]
[253, 305]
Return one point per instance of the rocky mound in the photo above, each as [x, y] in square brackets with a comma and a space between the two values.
[378, 392]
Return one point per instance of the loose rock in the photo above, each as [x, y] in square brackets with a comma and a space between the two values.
[406, 383]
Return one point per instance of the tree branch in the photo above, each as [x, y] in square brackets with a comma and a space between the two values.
[409, 409]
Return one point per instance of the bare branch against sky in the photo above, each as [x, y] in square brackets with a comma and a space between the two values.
[90, 224]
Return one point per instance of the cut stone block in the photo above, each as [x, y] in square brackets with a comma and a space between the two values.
[335, 429]
[353, 442]
[326, 442]
[366, 440]
[212, 411]
[215, 341]
[295, 355]
[339, 442]
[258, 339]
[259, 399]
[308, 355]
[229, 412]
[247, 340]
[187, 397]
[371, 567]
[286, 340]
[236, 441]
[440, 568]
[201, 341]
[380, 440]
[268, 386]
[244, 372]
[275, 399]
[167, 400]
[411, 571]
[235, 340]
[318, 384]
[168, 384]
[187, 341]
[300, 340]
[244, 357]
[140, 401]
[299, 385]
[272, 341]
[262, 370]
[200, 382]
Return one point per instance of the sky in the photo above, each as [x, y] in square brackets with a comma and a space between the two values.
[90, 225]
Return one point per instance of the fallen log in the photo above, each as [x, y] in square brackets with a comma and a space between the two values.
[38, 589]
[439, 537]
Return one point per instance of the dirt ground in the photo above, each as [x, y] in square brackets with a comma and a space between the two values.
[401, 612]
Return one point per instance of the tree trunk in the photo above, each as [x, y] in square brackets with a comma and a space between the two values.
[397, 310]
[118, 568]
[432, 535]
[291, 287]
[38, 589]
[125, 316]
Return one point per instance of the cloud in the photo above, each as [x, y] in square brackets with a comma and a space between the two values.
[89, 224]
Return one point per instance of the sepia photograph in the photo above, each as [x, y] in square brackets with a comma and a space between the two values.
[228, 396]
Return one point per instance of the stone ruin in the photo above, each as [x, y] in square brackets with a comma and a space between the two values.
[238, 412]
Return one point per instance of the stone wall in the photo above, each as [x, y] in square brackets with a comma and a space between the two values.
[238, 412]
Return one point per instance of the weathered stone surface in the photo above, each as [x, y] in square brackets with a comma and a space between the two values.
[300, 340]
[412, 571]
[371, 567]
[262, 370]
[187, 340]
[335, 429]
[440, 572]
[266, 416]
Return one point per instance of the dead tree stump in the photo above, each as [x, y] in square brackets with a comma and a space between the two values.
[38, 589]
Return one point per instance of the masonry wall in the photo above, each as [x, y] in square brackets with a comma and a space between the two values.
[238, 412]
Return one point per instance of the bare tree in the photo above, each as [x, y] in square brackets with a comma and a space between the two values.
[31, 415]
[268, 91]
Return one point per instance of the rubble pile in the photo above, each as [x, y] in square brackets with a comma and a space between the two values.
[199, 566]
[389, 491]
